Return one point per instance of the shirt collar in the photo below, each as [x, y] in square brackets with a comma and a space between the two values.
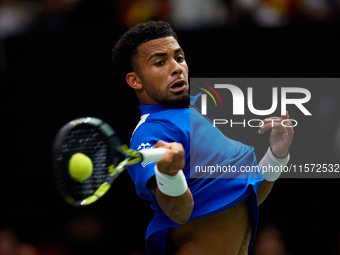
[152, 108]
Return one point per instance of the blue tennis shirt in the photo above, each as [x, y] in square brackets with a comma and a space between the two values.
[204, 145]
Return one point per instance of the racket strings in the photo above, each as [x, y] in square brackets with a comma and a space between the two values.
[98, 147]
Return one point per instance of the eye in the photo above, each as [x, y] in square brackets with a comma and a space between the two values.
[180, 59]
[159, 63]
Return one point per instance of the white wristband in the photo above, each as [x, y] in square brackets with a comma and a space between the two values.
[271, 166]
[173, 186]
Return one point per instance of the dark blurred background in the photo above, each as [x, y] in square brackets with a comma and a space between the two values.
[55, 65]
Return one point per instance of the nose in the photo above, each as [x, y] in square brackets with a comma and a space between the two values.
[176, 68]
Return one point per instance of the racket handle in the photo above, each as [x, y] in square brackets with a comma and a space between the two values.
[150, 155]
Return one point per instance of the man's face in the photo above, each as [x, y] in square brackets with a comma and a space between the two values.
[163, 72]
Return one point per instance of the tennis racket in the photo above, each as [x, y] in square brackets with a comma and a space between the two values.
[102, 155]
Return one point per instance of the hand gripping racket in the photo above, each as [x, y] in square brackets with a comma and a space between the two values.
[88, 156]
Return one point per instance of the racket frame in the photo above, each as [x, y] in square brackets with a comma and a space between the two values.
[132, 157]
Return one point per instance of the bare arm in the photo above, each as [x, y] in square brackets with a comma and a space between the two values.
[280, 140]
[263, 191]
[178, 208]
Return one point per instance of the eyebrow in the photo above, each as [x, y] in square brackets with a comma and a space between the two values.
[161, 54]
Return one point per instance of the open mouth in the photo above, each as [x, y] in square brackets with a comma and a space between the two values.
[178, 86]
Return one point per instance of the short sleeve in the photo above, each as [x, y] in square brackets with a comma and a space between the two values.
[145, 137]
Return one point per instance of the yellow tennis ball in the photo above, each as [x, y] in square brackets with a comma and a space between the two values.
[80, 167]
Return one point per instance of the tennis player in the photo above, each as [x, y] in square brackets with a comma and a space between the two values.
[192, 215]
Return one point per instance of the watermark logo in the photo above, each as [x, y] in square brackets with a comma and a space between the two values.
[204, 97]
[242, 108]
[243, 101]
[239, 99]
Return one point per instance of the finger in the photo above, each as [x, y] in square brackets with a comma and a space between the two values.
[277, 125]
[286, 116]
[162, 144]
[272, 118]
[173, 159]
[290, 131]
[284, 121]
[270, 121]
[177, 150]
[288, 125]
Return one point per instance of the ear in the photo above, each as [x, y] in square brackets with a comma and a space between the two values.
[133, 80]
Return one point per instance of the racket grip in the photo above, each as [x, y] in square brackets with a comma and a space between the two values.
[150, 155]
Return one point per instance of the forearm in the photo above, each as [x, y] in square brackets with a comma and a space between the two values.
[170, 186]
[270, 176]
[178, 209]
[263, 191]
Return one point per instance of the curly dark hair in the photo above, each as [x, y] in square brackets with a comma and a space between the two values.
[126, 47]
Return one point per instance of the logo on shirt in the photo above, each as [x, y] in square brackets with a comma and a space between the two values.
[144, 146]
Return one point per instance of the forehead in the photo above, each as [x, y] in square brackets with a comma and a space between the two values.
[158, 45]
